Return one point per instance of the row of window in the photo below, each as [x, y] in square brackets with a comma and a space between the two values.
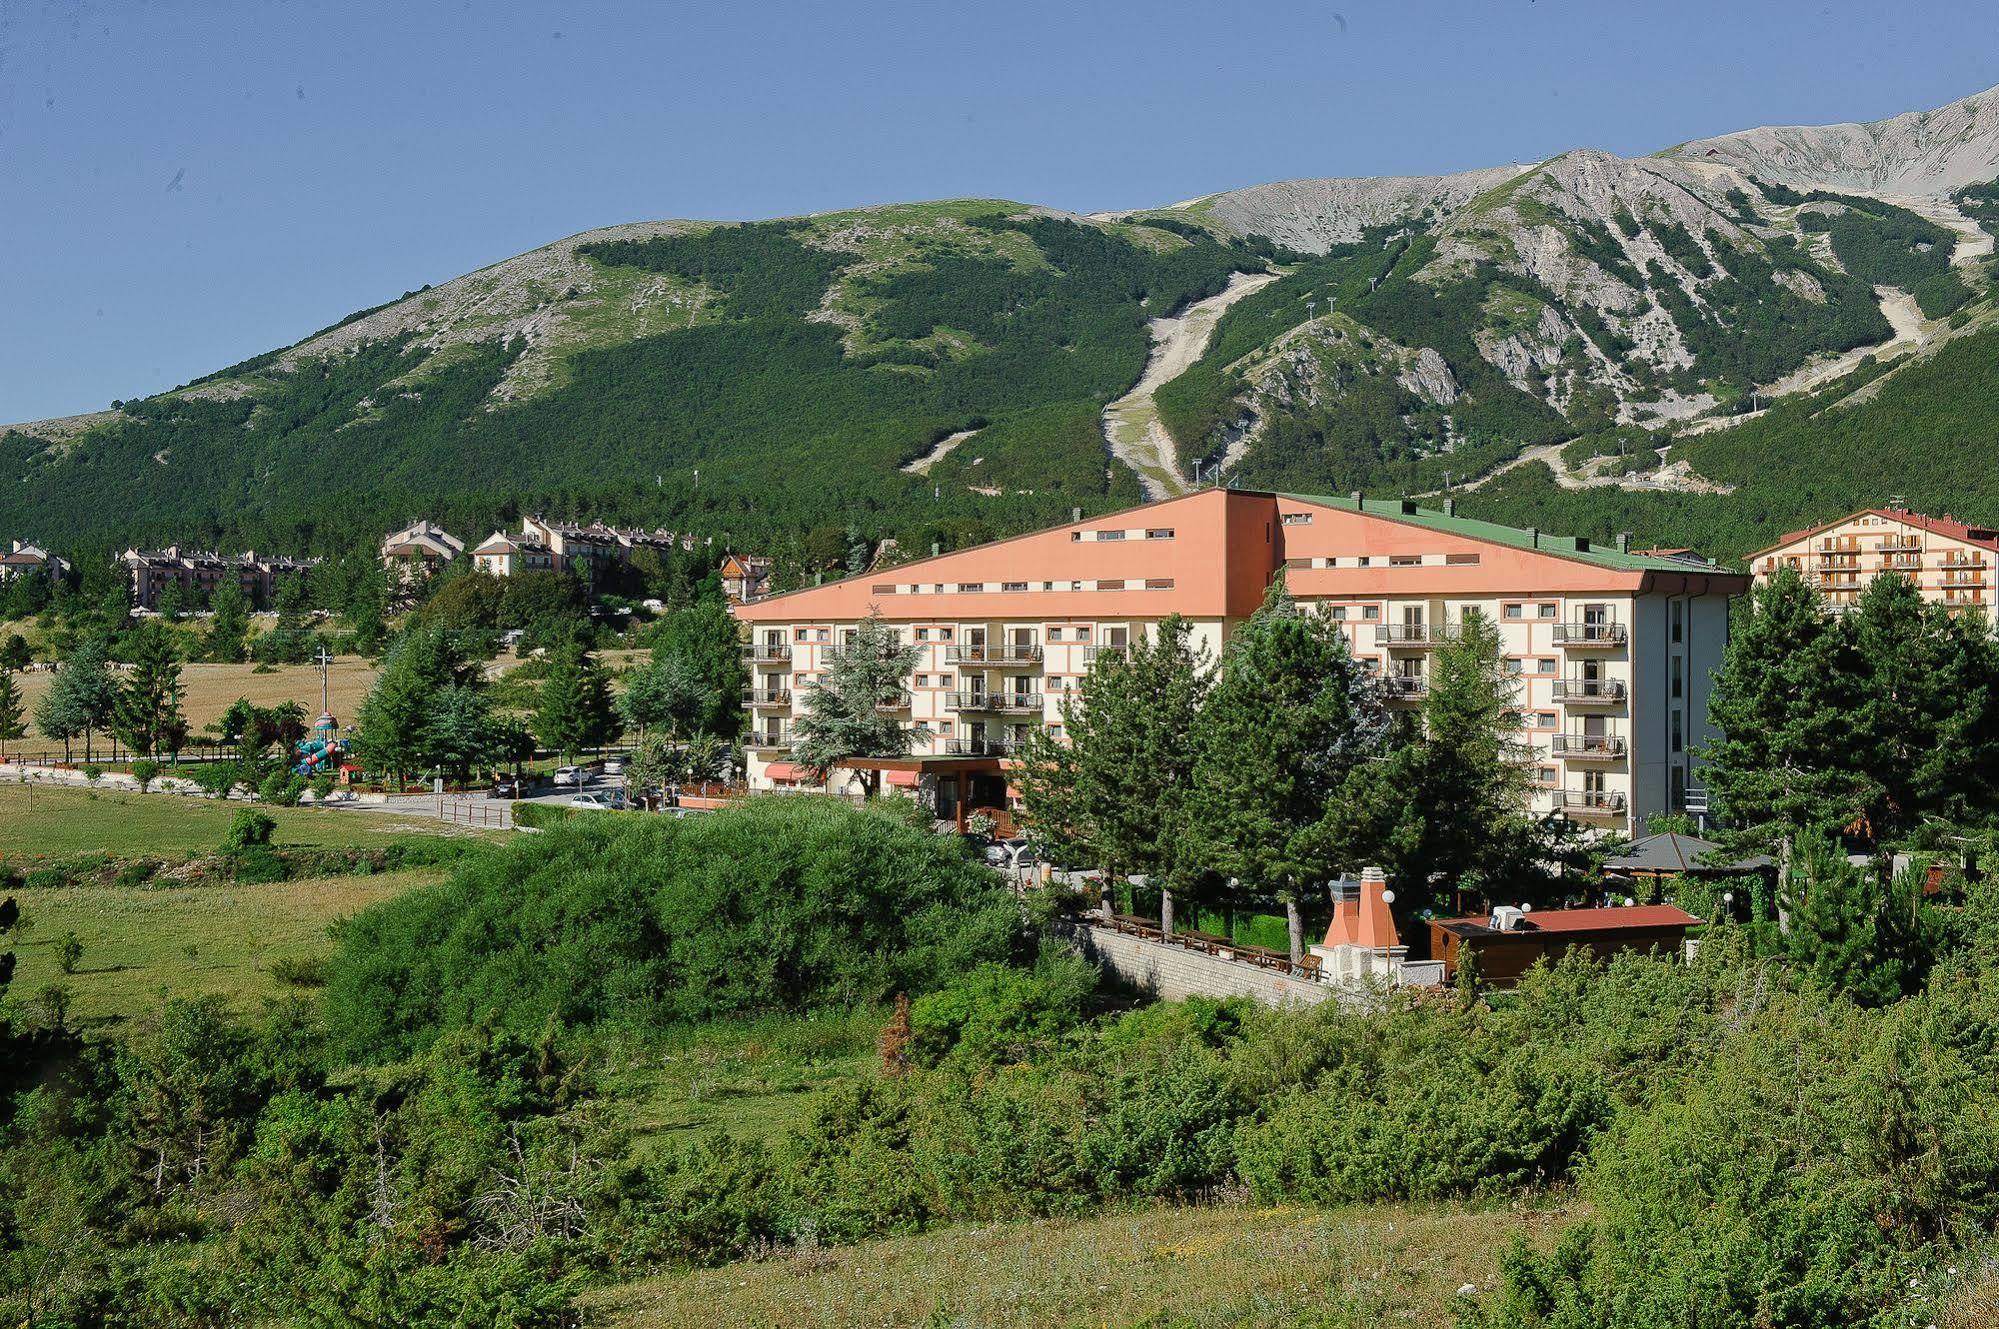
[1107, 536]
[1387, 561]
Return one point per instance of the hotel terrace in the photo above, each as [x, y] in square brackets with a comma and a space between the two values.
[1614, 650]
[1949, 562]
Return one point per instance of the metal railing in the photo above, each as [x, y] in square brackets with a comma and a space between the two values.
[768, 743]
[899, 702]
[1589, 634]
[1603, 802]
[993, 701]
[766, 696]
[1414, 634]
[1090, 653]
[1589, 689]
[768, 652]
[1405, 687]
[996, 654]
[496, 815]
[977, 747]
[1602, 747]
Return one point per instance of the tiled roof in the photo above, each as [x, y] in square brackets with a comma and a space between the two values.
[1946, 526]
[1570, 921]
[1562, 546]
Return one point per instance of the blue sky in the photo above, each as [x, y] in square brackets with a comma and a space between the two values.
[186, 184]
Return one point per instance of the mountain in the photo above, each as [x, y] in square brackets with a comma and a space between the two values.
[1594, 335]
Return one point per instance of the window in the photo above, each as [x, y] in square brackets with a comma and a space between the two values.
[1362, 561]
[1076, 536]
[1297, 562]
[923, 634]
[1159, 533]
[1545, 774]
[971, 586]
[1405, 560]
[1339, 613]
[1544, 665]
[1297, 519]
[1114, 585]
[1370, 611]
[1544, 719]
[1515, 666]
[943, 634]
[1055, 732]
[1158, 583]
[1461, 560]
[1679, 622]
[881, 590]
[1513, 611]
[1013, 585]
[1545, 610]
[1110, 535]
[1679, 738]
[1677, 665]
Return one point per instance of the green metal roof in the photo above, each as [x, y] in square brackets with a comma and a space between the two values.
[1563, 546]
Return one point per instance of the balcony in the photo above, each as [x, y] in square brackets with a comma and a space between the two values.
[993, 656]
[1588, 747]
[899, 702]
[766, 696]
[1005, 703]
[1590, 634]
[1406, 687]
[1902, 562]
[1090, 653]
[770, 744]
[768, 652]
[978, 747]
[1586, 691]
[1896, 544]
[1416, 636]
[1590, 802]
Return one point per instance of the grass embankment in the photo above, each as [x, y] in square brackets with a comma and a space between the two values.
[45, 822]
[144, 944]
[207, 690]
[1203, 1266]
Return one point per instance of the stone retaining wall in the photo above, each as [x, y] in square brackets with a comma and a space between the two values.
[1173, 972]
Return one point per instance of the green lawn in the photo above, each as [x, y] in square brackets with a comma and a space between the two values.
[52, 822]
[1192, 1268]
[142, 944]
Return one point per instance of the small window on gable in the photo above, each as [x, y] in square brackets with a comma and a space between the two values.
[1297, 519]
[1104, 585]
[1076, 536]
[1362, 561]
[1405, 560]
[1110, 535]
[1461, 560]
[1159, 533]
[971, 586]
[1158, 583]
[1013, 585]
[881, 590]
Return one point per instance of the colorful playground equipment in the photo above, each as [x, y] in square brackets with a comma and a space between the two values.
[322, 749]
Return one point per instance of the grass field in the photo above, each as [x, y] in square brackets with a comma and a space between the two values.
[53, 822]
[208, 689]
[142, 945]
[1192, 1268]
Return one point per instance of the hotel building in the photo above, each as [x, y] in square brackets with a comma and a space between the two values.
[1614, 650]
[1949, 562]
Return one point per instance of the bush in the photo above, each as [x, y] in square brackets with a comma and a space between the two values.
[69, 952]
[281, 789]
[775, 905]
[248, 829]
[216, 778]
[93, 773]
[996, 1013]
[144, 773]
[300, 971]
[541, 815]
[322, 786]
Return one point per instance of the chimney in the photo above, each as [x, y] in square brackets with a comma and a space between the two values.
[1624, 542]
[1533, 537]
[1450, 507]
[936, 548]
[818, 579]
[1075, 514]
[1376, 923]
[1356, 497]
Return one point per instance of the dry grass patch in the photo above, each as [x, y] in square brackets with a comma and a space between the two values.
[1192, 1268]
[209, 689]
[54, 822]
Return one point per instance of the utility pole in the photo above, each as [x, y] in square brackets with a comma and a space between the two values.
[325, 663]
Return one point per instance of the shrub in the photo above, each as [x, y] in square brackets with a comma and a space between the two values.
[93, 773]
[281, 789]
[996, 1013]
[775, 905]
[300, 971]
[322, 786]
[69, 952]
[144, 773]
[541, 815]
[248, 829]
[216, 778]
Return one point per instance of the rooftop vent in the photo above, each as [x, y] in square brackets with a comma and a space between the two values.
[1508, 917]
[1450, 507]
[1408, 507]
[1582, 544]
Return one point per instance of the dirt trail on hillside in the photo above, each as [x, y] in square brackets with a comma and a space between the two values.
[1903, 315]
[938, 452]
[1131, 423]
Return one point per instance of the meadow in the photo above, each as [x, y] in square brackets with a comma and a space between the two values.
[43, 821]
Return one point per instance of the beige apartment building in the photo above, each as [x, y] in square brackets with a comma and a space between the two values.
[1614, 651]
[1949, 561]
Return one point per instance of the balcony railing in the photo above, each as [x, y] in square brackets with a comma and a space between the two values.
[1590, 634]
[1591, 802]
[977, 747]
[766, 696]
[1593, 747]
[1406, 687]
[1894, 543]
[1420, 635]
[1090, 653]
[1589, 689]
[768, 742]
[1023, 702]
[768, 652]
[993, 655]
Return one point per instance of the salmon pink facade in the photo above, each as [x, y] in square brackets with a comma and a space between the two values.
[1614, 651]
[1948, 561]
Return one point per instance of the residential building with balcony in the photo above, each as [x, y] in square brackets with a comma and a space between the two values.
[418, 550]
[1614, 651]
[199, 572]
[503, 555]
[26, 560]
[1948, 561]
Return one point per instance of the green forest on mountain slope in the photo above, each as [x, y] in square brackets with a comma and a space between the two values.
[787, 428]
[1927, 434]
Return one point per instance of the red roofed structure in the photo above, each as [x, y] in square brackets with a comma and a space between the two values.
[1508, 941]
[1949, 561]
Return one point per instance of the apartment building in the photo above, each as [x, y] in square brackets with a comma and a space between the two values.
[25, 559]
[1949, 561]
[544, 544]
[503, 555]
[198, 572]
[744, 577]
[1614, 651]
[418, 550]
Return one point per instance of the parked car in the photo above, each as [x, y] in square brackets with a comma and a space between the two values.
[508, 786]
[1013, 853]
[609, 801]
[614, 766]
[574, 776]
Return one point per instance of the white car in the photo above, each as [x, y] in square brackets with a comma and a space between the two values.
[613, 766]
[574, 776]
[612, 802]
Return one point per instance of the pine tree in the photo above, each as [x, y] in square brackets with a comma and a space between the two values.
[575, 711]
[707, 640]
[1115, 794]
[81, 700]
[12, 728]
[1853, 930]
[1784, 704]
[147, 713]
[851, 712]
[397, 711]
[459, 735]
[667, 692]
[229, 623]
[1290, 715]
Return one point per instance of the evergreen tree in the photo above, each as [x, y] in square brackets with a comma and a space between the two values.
[147, 713]
[850, 713]
[171, 603]
[575, 711]
[12, 729]
[459, 733]
[1784, 704]
[15, 655]
[666, 692]
[1855, 931]
[1290, 715]
[229, 624]
[705, 637]
[366, 607]
[81, 700]
[396, 714]
[1115, 794]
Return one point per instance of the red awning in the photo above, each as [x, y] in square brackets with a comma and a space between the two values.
[904, 779]
[788, 771]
